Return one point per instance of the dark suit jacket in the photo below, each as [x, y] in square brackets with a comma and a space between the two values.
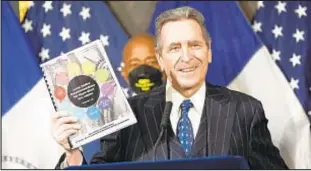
[232, 123]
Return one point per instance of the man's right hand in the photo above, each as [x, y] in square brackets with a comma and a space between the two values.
[64, 125]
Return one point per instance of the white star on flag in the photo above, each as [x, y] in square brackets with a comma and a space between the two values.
[277, 31]
[294, 83]
[104, 39]
[44, 54]
[66, 9]
[257, 26]
[84, 38]
[281, 7]
[27, 25]
[46, 30]
[301, 11]
[276, 55]
[31, 4]
[65, 33]
[299, 35]
[260, 4]
[121, 66]
[295, 60]
[85, 13]
[127, 92]
[47, 6]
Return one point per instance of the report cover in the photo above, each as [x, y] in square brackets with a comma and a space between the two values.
[83, 83]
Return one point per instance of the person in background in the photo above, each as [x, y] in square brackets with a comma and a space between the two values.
[140, 67]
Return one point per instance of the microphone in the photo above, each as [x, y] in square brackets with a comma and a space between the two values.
[164, 124]
[166, 114]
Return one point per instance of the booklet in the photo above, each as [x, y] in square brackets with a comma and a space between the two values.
[83, 83]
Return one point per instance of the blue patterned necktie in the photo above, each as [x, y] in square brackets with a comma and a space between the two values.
[184, 128]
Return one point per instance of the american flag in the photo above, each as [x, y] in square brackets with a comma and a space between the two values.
[285, 28]
[56, 27]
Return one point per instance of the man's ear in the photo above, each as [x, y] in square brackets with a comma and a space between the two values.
[209, 55]
[209, 52]
[160, 62]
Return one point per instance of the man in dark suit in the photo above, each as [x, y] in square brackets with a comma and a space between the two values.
[205, 119]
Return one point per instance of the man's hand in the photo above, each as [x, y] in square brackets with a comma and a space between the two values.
[64, 125]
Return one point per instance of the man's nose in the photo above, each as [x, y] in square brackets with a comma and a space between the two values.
[186, 54]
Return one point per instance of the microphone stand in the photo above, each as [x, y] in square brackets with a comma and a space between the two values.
[164, 125]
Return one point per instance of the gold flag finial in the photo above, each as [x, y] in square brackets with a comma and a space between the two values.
[23, 7]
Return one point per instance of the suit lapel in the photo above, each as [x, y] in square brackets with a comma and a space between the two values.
[213, 137]
[220, 117]
[200, 142]
[176, 150]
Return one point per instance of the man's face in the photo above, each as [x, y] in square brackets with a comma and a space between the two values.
[138, 53]
[185, 54]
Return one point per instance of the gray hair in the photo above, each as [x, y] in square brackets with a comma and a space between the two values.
[176, 14]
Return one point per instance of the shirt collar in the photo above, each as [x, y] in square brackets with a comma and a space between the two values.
[197, 98]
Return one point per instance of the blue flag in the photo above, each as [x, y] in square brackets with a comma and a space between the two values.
[27, 142]
[241, 62]
[17, 57]
[56, 27]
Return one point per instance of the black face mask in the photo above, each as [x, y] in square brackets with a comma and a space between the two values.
[144, 78]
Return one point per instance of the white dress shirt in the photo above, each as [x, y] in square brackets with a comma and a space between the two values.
[194, 113]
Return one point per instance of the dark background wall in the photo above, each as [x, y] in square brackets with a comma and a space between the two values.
[135, 16]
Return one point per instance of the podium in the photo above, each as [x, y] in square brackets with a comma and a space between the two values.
[202, 163]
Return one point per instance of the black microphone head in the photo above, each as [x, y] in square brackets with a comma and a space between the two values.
[166, 114]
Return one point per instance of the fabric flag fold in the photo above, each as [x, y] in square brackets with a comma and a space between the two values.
[26, 105]
[284, 28]
[287, 35]
[242, 62]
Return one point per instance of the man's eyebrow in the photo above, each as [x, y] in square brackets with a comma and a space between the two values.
[174, 44]
[195, 41]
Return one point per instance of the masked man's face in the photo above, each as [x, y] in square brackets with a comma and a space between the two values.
[141, 69]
